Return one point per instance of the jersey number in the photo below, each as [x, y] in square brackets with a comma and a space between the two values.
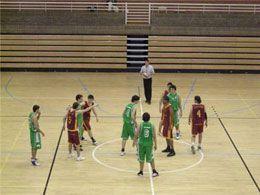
[199, 113]
[146, 133]
[69, 119]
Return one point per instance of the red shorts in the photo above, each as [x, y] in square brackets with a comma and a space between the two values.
[197, 129]
[86, 124]
[167, 132]
[73, 137]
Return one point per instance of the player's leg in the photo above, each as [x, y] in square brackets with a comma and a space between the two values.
[167, 149]
[90, 134]
[34, 144]
[200, 140]
[193, 137]
[76, 141]
[172, 152]
[150, 159]
[141, 158]
[87, 127]
[124, 136]
[177, 125]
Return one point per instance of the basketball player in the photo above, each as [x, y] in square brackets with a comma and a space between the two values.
[198, 118]
[146, 140]
[130, 123]
[165, 93]
[73, 128]
[86, 118]
[79, 99]
[175, 101]
[166, 126]
[35, 133]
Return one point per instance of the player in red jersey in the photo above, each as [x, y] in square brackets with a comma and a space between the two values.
[198, 118]
[72, 126]
[165, 93]
[166, 126]
[86, 118]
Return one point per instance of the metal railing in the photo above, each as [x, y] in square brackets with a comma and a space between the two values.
[133, 12]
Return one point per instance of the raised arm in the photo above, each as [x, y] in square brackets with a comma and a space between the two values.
[87, 109]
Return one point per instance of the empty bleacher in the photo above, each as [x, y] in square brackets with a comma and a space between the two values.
[63, 51]
[177, 52]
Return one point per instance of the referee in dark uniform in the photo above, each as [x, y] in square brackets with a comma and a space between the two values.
[147, 72]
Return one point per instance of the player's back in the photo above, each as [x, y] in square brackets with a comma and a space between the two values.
[198, 114]
[72, 120]
[127, 116]
[146, 134]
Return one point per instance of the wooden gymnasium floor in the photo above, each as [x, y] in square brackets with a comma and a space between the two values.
[219, 170]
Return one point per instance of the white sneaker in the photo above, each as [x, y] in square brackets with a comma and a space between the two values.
[71, 155]
[80, 158]
[178, 136]
[95, 143]
[122, 153]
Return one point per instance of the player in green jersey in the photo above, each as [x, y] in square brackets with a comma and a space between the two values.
[175, 101]
[35, 133]
[79, 99]
[146, 141]
[129, 119]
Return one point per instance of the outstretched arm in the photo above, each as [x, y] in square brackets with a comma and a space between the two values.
[87, 109]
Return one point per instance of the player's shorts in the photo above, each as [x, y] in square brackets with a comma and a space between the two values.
[167, 132]
[73, 137]
[176, 119]
[145, 153]
[128, 131]
[86, 124]
[35, 138]
[197, 128]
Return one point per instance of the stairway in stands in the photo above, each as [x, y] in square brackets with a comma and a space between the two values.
[138, 14]
[137, 50]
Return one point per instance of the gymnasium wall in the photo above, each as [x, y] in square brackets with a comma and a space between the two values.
[108, 53]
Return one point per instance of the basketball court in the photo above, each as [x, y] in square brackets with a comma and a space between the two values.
[228, 164]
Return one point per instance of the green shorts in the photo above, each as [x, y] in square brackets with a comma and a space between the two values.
[35, 138]
[145, 152]
[176, 119]
[128, 131]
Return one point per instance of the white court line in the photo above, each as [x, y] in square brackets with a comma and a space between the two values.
[133, 171]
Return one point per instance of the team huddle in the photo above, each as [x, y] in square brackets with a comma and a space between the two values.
[77, 120]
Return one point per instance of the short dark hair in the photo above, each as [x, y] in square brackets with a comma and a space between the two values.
[91, 97]
[170, 83]
[75, 105]
[146, 117]
[35, 107]
[135, 98]
[173, 87]
[166, 98]
[197, 99]
[78, 97]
